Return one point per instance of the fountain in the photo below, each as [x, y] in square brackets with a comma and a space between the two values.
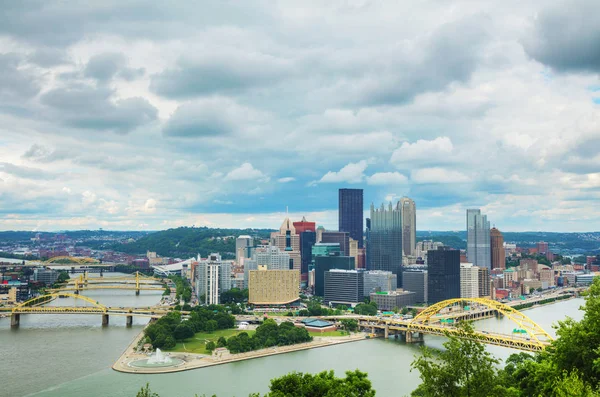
[159, 358]
[156, 360]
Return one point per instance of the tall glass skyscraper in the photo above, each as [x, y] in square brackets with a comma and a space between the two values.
[350, 213]
[478, 239]
[443, 274]
[385, 240]
[409, 225]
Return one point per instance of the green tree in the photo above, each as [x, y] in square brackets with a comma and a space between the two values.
[298, 384]
[349, 324]
[464, 368]
[210, 346]
[146, 392]
[222, 342]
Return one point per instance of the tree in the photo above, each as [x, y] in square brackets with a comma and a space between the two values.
[349, 324]
[146, 392]
[298, 384]
[464, 368]
[62, 277]
[404, 310]
[184, 331]
[222, 342]
[211, 326]
[210, 346]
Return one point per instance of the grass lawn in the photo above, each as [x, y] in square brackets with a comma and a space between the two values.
[197, 343]
[329, 333]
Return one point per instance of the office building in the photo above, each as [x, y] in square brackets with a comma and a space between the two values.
[378, 280]
[272, 257]
[393, 300]
[249, 264]
[469, 281]
[288, 241]
[243, 245]
[385, 240]
[350, 213]
[416, 281]
[353, 250]
[343, 287]
[273, 287]
[484, 282]
[46, 276]
[326, 263]
[308, 239]
[443, 274]
[497, 249]
[304, 226]
[341, 238]
[424, 246]
[478, 239]
[214, 278]
[409, 226]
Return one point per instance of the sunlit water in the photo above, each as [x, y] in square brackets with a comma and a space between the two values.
[59, 355]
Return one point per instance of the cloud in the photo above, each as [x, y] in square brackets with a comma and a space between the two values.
[286, 179]
[438, 175]
[16, 82]
[350, 173]
[25, 172]
[87, 107]
[422, 151]
[245, 172]
[387, 178]
[104, 67]
[210, 117]
[566, 36]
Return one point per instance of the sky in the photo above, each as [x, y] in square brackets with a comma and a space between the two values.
[137, 115]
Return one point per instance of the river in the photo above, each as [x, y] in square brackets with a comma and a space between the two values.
[60, 355]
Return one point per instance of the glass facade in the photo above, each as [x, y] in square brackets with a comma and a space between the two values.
[350, 213]
[384, 249]
[478, 239]
[443, 274]
[326, 263]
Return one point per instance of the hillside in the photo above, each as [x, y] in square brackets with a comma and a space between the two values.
[185, 242]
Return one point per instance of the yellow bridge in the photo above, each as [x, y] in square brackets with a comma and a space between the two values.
[440, 319]
[137, 283]
[35, 306]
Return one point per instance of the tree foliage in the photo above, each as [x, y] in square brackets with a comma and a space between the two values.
[268, 334]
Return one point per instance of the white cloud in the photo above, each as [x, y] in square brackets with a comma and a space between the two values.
[350, 173]
[245, 172]
[286, 179]
[387, 178]
[438, 175]
[422, 151]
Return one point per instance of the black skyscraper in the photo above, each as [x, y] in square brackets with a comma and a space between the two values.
[308, 238]
[443, 278]
[350, 212]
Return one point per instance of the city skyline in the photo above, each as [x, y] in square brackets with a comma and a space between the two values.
[223, 116]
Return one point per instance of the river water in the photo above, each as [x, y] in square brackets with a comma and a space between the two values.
[71, 355]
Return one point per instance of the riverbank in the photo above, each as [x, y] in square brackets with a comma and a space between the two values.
[195, 361]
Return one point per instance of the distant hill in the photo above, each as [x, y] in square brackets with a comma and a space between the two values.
[564, 243]
[184, 242]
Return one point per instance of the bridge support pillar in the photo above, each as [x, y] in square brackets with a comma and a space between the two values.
[76, 292]
[409, 337]
[104, 320]
[386, 331]
[15, 320]
[137, 291]
[129, 322]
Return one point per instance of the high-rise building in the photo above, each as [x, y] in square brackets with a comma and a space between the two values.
[409, 225]
[341, 238]
[288, 241]
[497, 249]
[326, 263]
[469, 281]
[484, 282]
[343, 286]
[393, 300]
[478, 239]
[443, 274]
[350, 213]
[272, 257]
[46, 276]
[243, 245]
[304, 226]
[385, 240]
[214, 278]
[424, 246]
[379, 280]
[273, 287]
[416, 281]
[308, 238]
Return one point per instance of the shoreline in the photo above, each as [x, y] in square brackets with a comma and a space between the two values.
[196, 361]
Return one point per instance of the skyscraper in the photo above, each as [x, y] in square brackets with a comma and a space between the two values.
[350, 213]
[288, 241]
[409, 226]
[242, 247]
[478, 239]
[443, 274]
[341, 238]
[469, 281]
[214, 278]
[308, 237]
[385, 240]
[497, 249]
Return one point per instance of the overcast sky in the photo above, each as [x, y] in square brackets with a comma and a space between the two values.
[148, 115]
